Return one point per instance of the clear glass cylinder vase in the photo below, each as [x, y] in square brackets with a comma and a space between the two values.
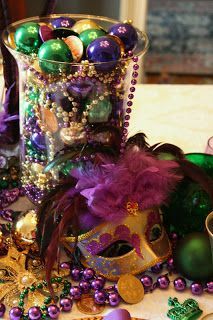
[69, 111]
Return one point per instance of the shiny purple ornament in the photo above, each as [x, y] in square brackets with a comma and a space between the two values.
[97, 284]
[63, 22]
[75, 293]
[66, 304]
[127, 33]
[53, 311]
[118, 314]
[84, 286]
[104, 49]
[157, 268]
[180, 284]
[46, 33]
[76, 273]
[2, 310]
[209, 287]
[39, 141]
[88, 274]
[196, 288]
[100, 297]
[15, 313]
[163, 282]
[147, 282]
[34, 313]
[114, 299]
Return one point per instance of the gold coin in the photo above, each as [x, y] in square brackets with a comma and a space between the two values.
[49, 120]
[130, 288]
[87, 305]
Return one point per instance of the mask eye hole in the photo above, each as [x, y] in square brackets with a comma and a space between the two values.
[155, 232]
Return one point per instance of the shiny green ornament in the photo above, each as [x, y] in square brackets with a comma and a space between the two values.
[89, 35]
[188, 310]
[27, 38]
[189, 205]
[99, 112]
[193, 257]
[54, 50]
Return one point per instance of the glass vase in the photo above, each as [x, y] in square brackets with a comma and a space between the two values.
[69, 111]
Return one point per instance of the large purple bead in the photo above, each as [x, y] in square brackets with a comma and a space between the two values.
[2, 310]
[180, 284]
[75, 293]
[76, 273]
[85, 286]
[38, 141]
[88, 274]
[63, 22]
[15, 313]
[97, 284]
[66, 304]
[34, 313]
[146, 281]
[157, 268]
[163, 282]
[114, 299]
[104, 49]
[209, 287]
[196, 288]
[127, 33]
[53, 311]
[100, 297]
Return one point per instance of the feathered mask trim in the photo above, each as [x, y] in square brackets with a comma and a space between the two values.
[137, 177]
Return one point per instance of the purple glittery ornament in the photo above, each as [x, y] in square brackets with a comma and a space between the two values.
[75, 293]
[15, 313]
[38, 141]
[88, 274]
[66, 304]
[209, 287]
[114, 299]
[180, 284]
[34, 313]
[104, 49]
[146, 281]
[196, 288]
[76, 273]
[163, 282]
[127, 33]
[84, 286]
[2, 310]
[63, 22]
[53, 311]
[100, 296]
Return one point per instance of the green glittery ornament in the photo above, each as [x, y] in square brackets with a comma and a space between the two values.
[89, 35]
[193, 257]
[27, 38]
[189, 204]
[99, 112]
[54, 50]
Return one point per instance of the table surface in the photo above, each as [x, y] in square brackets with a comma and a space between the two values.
[178, 114]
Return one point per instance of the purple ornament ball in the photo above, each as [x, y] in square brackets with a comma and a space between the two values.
[15, 313]
[84, 286]
[34, 313]
[104, 49]
[100, 297]
[76, 273]
[2, 310]
[75, 292]
[163, 282]
[146, 281]
[97, 284]
[88, 274]
[157, 268]
[66, 304]
[180, 284]
[114, 299]
[63, 22]
[127, 33]
[53, 311]
[209, 287]
[196, 288]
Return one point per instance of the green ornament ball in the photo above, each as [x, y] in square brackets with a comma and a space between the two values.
[56, 51]
[100, 112]
[27, 38]
[89, 35]
[193, 257]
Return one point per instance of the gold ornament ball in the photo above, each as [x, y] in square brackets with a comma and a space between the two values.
[84, 24]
